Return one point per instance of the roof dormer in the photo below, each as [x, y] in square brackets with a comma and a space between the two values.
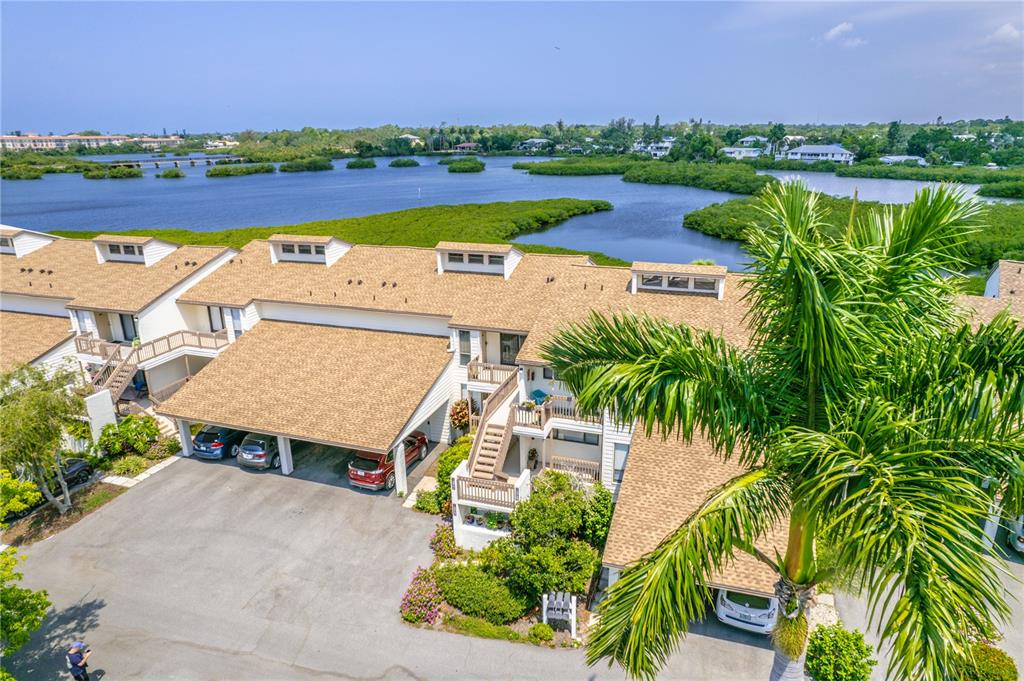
[324, 250]
[699, 280]
[21, 242]
[500, 259]
[145, 250]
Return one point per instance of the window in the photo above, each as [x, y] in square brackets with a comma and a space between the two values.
[510, 345]
[216, 314]
[6, 242]
[114, 249]
[236, 321]
[390, 457]
[319, 250]
[454, 257]
[128, 327]
[573, 436]
[129, 249]
[679, 282]
[305, 249]
[476, 259]
[495, 260]
[704, 285]
[621, 454]
[653, 280]
[288, 248]
[138, 250]
[83, 321]
[464, 351]
[549, 373]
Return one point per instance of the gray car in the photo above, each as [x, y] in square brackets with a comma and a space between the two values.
[259, 451]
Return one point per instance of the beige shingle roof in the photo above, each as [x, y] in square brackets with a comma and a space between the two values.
[664, 483]
[477, 248]
[301, 238]
[9, 231]
[68, 269]
[349, 387]
[675, 268]
[122, 239]
[26, 337]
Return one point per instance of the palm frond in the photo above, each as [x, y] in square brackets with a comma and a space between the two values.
[652, 604]
[667, 376]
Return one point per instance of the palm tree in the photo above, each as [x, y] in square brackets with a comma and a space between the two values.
[867, 414]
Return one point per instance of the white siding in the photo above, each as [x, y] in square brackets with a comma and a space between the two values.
[335, 249]
[992, 283]
[155, 251]
[196, 317]
[434, 406]
[27, 242]
[610, 436]
[61, 355]
[164, 315]
[12, 302]
[359, 319]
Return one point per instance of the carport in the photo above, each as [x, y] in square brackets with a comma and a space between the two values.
[352, 388]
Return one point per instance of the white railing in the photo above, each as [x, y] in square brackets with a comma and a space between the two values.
[589, 471]
[556, 407]
[489, 373]
[496, 493]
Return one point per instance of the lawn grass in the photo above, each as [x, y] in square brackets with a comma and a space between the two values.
[481, 628]
[46, 522]
[499, 222]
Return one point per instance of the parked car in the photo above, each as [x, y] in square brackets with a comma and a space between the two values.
[377, 471]
[216, 442]
[743, 611]
[1015, 535]
[259, 451]
[76, 472]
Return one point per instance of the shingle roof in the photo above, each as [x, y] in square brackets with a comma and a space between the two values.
[26, 337]
[9, 231]
[122, 239]
[820, 149]
[674, 268]
[469, 246]
[68, 269]
[349, 387]
[664, 483]
[301, 238]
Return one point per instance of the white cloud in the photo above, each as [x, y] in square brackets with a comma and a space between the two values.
[854, 42]
[1006, 34]
[838, 30]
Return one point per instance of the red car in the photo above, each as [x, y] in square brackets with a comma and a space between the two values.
[377, 471]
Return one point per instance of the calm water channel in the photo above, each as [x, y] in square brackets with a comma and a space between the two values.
[645, 224]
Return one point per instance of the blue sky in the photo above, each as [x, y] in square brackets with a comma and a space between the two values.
[234, 65]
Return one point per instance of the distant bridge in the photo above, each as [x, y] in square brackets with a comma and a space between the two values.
[174, 162]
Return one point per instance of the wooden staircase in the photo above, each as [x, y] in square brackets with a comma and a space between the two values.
[493, 437]
[486, 464]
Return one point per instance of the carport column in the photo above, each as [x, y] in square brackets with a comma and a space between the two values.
[284, 447]
[401, 485]
[185, 435]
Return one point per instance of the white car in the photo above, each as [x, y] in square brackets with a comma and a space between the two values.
[1015, 535]
[743, 611]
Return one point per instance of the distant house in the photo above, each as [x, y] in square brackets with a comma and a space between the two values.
[899, 158]
[655, 149]
[740, 153]
[220, 143]
[966, 137]
[413, 140]
[467, 146]
[533, 144]
[752, 141]
[810, 153]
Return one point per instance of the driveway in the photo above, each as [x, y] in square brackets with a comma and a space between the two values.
[207, 571]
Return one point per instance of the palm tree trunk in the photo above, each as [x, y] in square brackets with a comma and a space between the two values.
[787, 669]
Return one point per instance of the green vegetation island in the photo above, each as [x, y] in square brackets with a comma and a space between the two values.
[306, 165]
[404, 163]
[736, 178]
[115, 173]
[466, 165]
[233, 170]
[361, 164]
[171, 174]
[423, 227]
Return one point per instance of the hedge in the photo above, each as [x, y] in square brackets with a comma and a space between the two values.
[478, 594]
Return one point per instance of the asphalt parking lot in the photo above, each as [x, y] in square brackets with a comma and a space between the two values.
[208, 571]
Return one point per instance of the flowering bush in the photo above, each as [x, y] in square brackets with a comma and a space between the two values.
[422, 600]
[443, 542]
[459, 414]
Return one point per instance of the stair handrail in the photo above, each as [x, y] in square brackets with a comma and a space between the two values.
[489, 407]
[506, 441]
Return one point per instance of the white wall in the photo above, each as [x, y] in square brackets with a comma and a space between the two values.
[61, 356]
[359, 319]
[27, 242]
[164, 315]
[610, 436]
[159, 377]
[992, 283]
[434, 406]
[12, 302]
[155, 251]
[196, 317]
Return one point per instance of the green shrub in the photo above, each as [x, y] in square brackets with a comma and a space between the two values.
[468, 165]
[738, 178]
[987, 663]
[1009, 190]
[474, 626]
[132, 435]
[448, 160]
[404, 163]
[95, 174]
[968, 174]
[360, 163]
[422, 600]
[306, 164]
[21, 173]
[231, 170]
[597, 516]
[540, 633]
[124, 173]
[172, 173]
[168, 446]
[447, 462]
[590, 165]
[554, 510]
[426, 502]
[442, 543]
[129, 466]
[529, 571]
[837, 654]
[478, 593]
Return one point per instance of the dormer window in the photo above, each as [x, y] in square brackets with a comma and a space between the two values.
[309, 249]
[6, 242]
[679, 283]
[288, 248]
[129, 249]
[115, 249]
[305, 249]
[705, 284]
[319, 250]
[133, 249]
[458, 256]
[651, 280]
[495, 260]
[702, 280]
[455, 257]
[476, 259]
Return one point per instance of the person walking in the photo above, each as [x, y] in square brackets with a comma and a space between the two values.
[78, 661]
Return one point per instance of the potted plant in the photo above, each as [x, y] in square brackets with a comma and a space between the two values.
[531, 458]
[493, 519]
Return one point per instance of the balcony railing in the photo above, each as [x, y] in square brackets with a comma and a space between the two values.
[589, 471]
[556, 407]
[489, 373]
[158, 396]
[89, 344]
[490, 492]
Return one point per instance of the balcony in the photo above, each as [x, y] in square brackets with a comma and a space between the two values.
[538, 416]
[583, 469]
[90, 344]
[492, 494]
[482, 372]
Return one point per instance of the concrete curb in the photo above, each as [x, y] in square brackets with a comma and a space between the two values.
[131, 482]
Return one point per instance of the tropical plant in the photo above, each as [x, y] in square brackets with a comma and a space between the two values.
[866, 411]
[133, 434]
[35, 408]
[458, 414]
[986, 663]
[541, 633]
[447, 462]
[21, 610]
[838, 654]
[478, 594]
